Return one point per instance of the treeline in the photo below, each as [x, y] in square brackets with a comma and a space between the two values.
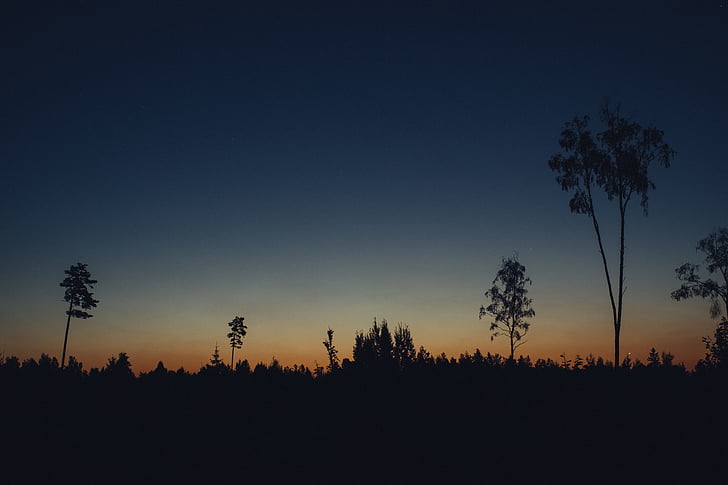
[120, 366]
[393, 413]
[381, 351]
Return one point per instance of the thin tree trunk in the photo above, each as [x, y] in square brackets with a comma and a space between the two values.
[512, 347]
[618, 321]
[232, 359]
[65, 339]
[616, 314]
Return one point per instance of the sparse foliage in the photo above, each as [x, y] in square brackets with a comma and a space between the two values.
[331, 351]
[717, 347]
[509, 305]
[215, 359]
[615, 161]
[79, 298]
[238, 330]
[715, 248]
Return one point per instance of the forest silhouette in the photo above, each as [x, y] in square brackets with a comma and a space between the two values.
[393, 412]
[389, 415]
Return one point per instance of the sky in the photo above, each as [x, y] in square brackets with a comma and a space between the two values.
[317, 164]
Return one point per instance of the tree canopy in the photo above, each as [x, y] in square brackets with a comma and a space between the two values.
[509, 305]
[715, 249]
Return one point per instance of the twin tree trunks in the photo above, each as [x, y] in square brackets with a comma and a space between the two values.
[615, 161]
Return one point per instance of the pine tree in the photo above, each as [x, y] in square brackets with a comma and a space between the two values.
[77, 284]
[238, 330]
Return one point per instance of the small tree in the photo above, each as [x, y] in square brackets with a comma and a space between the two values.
[509, 304]
[653, 359]
[667, 359]
[77, 284]
[238, 330]
[215, 359]
[216, 365]
[332, 351]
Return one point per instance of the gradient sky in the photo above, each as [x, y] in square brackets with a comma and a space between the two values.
[322, 164]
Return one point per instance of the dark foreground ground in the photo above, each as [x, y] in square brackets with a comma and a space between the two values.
[518, 426]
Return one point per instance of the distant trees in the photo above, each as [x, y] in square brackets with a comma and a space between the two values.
[238, 330]
[404, 347]
[331, 351]
[374, 346]
[509, 305]
[378, 348]
[160, 370]
[119, 366]
[655, 359]
[77, 284]
[74, 366]
[616, 162]
[715, 248]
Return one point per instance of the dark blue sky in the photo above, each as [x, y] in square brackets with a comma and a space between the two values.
[325, 163]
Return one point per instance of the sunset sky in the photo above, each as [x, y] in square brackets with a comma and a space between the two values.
[327, 163]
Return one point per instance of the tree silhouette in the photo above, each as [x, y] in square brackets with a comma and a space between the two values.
[74, 366]
[215, 360]
[715, 248]
[509, 304]
[215, 366]
[119, 366]
[615, 161]
[404, 347]
[717, 347]
[77, 284]
[375, 347]
[160, 370]
[331, 351]
[238, 330]
[653, 359]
